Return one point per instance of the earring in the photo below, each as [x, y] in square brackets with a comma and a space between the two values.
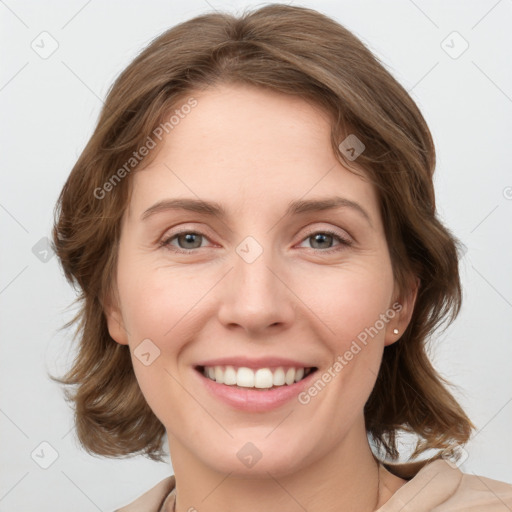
[395, 331]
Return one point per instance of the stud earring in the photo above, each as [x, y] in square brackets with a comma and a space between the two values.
[395, 331]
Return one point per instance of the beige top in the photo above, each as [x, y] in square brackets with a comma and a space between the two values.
[437, 487]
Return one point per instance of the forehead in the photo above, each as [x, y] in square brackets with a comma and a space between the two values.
[242, 120]
[245, 146]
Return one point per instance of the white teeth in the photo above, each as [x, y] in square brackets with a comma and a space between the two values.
[219, 375]
[290, 376]
[263, 378]
[278, 377]
[230, 377]
[244, 377]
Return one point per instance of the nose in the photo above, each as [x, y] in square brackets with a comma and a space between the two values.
[255, 296]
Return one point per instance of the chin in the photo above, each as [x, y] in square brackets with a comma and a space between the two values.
[255, 460]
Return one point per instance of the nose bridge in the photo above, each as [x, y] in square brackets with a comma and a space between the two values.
[255, 297]
[256, 281]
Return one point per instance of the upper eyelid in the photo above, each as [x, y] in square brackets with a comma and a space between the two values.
[309, 232]
[330, 221]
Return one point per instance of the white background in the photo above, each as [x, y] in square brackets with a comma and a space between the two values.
[49, 109]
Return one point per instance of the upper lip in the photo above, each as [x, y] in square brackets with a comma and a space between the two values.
[255, 363]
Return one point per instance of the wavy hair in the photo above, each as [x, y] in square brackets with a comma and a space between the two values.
[295, 51]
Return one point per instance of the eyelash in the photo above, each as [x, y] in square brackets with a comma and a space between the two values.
[166, 242]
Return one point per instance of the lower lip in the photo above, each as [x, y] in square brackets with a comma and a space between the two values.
[253, 400]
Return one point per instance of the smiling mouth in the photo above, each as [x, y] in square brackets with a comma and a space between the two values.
[259, 379]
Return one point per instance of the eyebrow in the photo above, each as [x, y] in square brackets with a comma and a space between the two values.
[212, 208]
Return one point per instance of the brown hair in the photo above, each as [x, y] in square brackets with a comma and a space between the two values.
[296, 51]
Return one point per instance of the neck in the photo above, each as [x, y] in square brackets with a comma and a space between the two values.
[343, 479]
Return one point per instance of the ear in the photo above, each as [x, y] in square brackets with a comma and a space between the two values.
[115, 322]
[403, 306]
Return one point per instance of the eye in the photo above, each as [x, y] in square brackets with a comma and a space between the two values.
[322, 239]
[187, 241]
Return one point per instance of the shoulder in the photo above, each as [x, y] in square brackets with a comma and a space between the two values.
[475, 492]
[152, 500]
[442, 487]
[436, 486]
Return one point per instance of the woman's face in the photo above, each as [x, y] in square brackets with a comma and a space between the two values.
[263, 279]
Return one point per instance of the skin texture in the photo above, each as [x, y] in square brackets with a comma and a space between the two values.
[255, 151]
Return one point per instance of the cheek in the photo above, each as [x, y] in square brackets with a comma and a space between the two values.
[155, 301]
[159, 310]
[348, 301]
[350, 304]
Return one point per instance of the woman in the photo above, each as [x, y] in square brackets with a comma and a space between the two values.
[253, 229]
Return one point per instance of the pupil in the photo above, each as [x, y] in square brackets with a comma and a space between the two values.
[317, 239]
[189, 239]
[322, 238]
